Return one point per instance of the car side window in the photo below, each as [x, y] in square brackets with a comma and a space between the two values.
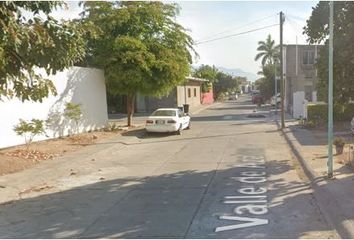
[180, 114]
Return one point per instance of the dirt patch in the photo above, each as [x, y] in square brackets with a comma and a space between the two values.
[18, 158]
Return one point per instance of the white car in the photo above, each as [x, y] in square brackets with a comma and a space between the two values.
[168, 120]
[352, 125]
[278, 101]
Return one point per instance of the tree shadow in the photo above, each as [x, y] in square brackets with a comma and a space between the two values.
[161, 206]
[75, 92]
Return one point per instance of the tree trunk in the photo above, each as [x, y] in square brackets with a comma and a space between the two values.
[130, 108]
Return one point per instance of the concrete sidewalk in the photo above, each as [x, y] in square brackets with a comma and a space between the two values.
[334, 196]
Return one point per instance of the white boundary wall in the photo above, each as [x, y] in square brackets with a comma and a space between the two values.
[298, 104]
[85, 86]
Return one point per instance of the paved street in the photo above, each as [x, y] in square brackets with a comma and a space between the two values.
[229, 176]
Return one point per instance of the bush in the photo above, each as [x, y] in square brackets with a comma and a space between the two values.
[29, 130]
[318, 113]
[111, 127]
[338, 142]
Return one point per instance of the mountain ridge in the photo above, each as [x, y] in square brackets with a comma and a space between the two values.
[236, 72]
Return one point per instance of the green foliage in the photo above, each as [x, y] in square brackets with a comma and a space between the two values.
[206, 87]
[206, 72]
[339, 142]
[39, 41]
[268, 51]
[73, 112]
[309, 124]
[29, 130]
[111, 127]
[343, 70]
[318, 113]
[140, 46]
[266, 84]
[224, 83]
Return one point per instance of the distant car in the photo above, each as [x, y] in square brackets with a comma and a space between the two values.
[233, 96]
[274, 102]
[168, 120]
[352, 125]
[257, 98]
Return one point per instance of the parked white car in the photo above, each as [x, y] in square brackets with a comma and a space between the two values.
[168, 120]
[352, 123]
[274, 102]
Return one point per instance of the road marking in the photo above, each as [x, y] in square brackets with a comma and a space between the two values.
[251, 223]
[253, 201]
[239, 197]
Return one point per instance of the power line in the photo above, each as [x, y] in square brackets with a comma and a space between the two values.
[236, 34]
[293, 24]
[237, 27]
[298, 18]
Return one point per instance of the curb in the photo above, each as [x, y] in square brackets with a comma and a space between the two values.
[326, 201]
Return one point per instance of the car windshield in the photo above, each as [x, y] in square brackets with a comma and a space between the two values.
[164, 113]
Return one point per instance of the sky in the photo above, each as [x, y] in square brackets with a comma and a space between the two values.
[207, 20]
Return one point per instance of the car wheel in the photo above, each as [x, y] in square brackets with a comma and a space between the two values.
[179, 131]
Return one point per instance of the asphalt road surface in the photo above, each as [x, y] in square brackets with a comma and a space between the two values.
[230, 176]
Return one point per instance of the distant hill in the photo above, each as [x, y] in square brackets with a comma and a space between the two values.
[236, 72]
[239, 72]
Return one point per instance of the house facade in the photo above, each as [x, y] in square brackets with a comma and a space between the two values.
[189, 93]
[300, 77]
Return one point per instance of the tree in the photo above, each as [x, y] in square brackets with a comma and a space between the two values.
[35, 41]
[317, 30]
[73, 113]
[29, 130]
[268, 51]
[206, 72]
[140, 47]
[266, 84]
[224, 83]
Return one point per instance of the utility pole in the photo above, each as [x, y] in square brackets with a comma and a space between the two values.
[275, 86]
[282, 85]
[330, 93]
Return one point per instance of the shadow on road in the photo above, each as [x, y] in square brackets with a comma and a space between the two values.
[158, 206]
[141, 135]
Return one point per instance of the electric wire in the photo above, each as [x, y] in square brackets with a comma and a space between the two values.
[236, 34]
[236, 28]
[293, 24]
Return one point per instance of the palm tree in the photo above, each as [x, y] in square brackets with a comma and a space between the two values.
[268, 51]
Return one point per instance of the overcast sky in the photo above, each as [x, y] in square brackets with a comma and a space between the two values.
[212, 19]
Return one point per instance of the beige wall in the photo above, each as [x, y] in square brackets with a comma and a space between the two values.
[189, 94]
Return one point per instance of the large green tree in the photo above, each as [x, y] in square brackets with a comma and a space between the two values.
[206, 72]
[31, 40]
[225, 83]
[268, 51]
[317, 30]
[140, 47]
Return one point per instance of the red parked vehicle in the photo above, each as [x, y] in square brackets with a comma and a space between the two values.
[257, 98]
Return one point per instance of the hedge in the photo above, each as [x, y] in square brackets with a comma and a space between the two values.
[318, 113]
